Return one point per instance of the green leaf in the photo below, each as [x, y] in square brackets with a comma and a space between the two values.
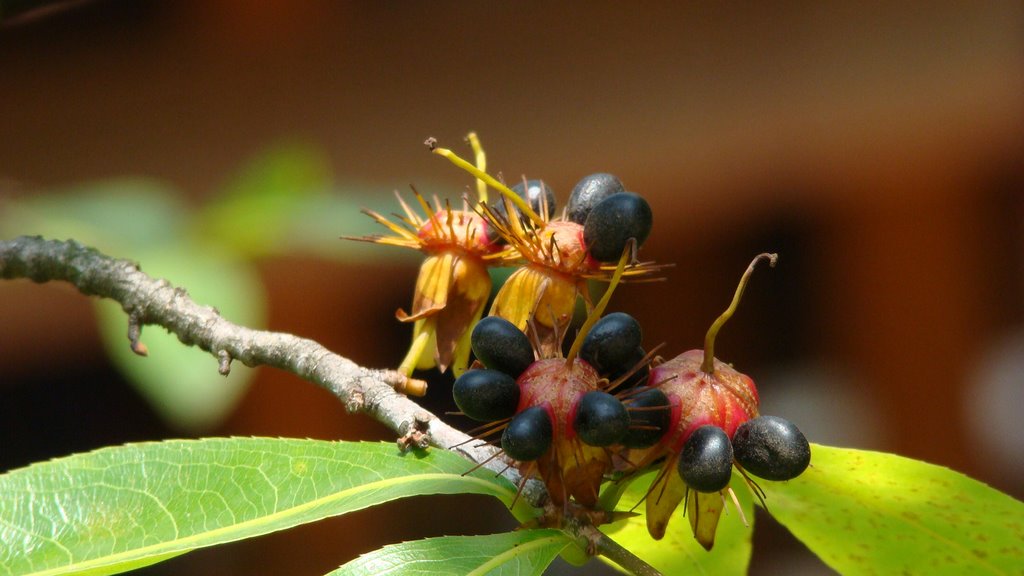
[182, 382]
[119, 217]
[120, 508]
[256, 209]
[523, 552]
[678, 552]
[874, 513]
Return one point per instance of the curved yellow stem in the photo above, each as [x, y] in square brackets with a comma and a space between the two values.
[523, 205]
[598, 309]
[481, 165]
[708, 365]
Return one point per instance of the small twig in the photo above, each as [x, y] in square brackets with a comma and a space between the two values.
[628, 561]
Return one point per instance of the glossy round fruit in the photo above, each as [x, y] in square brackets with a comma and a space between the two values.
[639, 377]
[612, 342]
[536, 192]
[649, 416]
[601, 419]
[588, 192]
[501, 346]
[486, 395]
[528, 435]
[706, 461]
[613, 221]
[772, 448]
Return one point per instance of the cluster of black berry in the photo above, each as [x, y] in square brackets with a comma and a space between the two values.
[607, 405]
[567, 417]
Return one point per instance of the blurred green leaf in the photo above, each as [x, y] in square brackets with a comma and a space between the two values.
[258, 206]
[524, 552]
[284, 200]
[874, 513]
[120, 508]
[119, 217]
[182, 382]
[679, 552]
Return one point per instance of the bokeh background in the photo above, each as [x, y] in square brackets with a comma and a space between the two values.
[879, 149]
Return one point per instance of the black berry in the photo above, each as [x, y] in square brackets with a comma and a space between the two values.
[772, 448]
[612, 342]
[601, 419]
[528, 435]
[501, 346]
[649, 415]
[588, 192]
[706, 461]
[613, 221]
[536, 193]
[486, 395]
[638, 377]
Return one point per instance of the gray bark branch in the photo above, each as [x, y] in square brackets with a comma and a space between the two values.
[150, 301]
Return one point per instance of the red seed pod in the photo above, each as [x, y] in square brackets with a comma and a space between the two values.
[566, 423]
[570, 468]
[702, 390]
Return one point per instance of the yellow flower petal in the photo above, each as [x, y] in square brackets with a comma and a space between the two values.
[664, 497]
[540, 295]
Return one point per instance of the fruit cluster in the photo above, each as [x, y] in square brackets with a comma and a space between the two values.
[607, 406]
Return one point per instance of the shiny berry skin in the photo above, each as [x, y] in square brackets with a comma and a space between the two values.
[537, 193]
[650, 414]
[706, 461]
[611, 344]
[588, 192]
[501, 346]
[486, 395]
[638, 377]
[613, 221]
[772, 448]
[528, 436]
[601, 419]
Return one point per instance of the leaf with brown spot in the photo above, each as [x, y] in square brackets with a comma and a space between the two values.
[875, 513]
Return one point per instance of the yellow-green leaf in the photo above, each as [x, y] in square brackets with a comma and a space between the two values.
[120, 508]
[874, 513]
[524, 552]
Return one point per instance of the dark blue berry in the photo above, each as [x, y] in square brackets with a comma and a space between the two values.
[601, 419]
[706, 461]
[486, 395]
[638, 377]
[612, 342]
[528, 435]
[536, 192]
[772, 448]
[501, 346]
[588, 192]
[649, 415]
[613, 221]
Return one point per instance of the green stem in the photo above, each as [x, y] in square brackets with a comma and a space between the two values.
[708, 366]
[523, 205]
[595, 314]
[626, 560]
[481, 164]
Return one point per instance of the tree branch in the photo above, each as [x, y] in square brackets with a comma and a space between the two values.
[148, 301]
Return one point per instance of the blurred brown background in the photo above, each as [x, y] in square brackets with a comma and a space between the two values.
[879, 150]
